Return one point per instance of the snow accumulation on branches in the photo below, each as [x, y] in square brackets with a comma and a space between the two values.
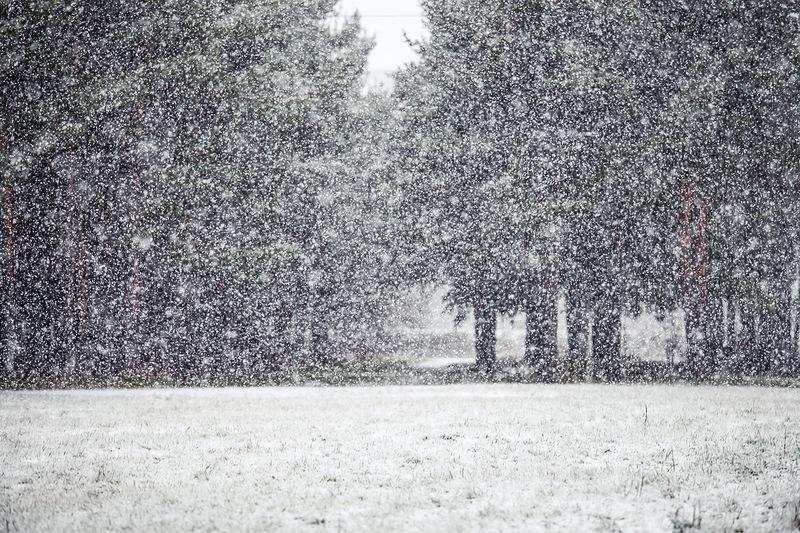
[205, 192]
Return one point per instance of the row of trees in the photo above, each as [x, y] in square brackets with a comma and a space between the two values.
[184, 187]
[628, 155]
[204, 188]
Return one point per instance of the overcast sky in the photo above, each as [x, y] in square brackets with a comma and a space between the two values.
[386, 20]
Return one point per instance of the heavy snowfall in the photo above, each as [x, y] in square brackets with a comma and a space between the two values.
[544, 275]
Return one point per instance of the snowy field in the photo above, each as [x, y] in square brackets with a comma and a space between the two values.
[450, 458]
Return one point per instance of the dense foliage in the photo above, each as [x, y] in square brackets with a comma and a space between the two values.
[182, 184]
[205, 188]
[631, 156]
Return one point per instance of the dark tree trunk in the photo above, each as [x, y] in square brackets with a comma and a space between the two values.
[795, 313]
[69, 276]
[694, 259]
[786, 353]
[131, 350]
[82, 290]
[698, 359]
[319, 337]
[7, 282]
[774, 332]
[764, 343]
[794, 348]
[715, 335]
[577, 336]
[729, 330]
[541, 329]
[607, 337]
[794, 333]
[320, 341]
[485, 336]
[747, 346]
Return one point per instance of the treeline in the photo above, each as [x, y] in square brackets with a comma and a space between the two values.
[206, 189]
[628, 155]
[185, 188]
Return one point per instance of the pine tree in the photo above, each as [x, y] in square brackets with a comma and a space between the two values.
[186, 150]
[459, 164]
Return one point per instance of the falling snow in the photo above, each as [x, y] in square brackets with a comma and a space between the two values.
[218, 193]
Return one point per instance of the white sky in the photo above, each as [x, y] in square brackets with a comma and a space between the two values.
[386, 20]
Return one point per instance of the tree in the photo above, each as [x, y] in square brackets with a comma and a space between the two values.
[179, 176]
[469, 191]
[730, 64]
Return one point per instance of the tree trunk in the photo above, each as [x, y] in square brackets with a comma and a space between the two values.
[794, 333]
[578, 336]
[786, 354]
[729, 335]
[319, 339]
[82, 295]
[485, 336]
[774, 332]
[7, 284]
[746, 346]
[69, 278]
[794, 349]
[694, 259]
[131, 349]
[715, 334]
[764, 343]
[696, 352]
[607, 337]
[795, 312]
[541, 329]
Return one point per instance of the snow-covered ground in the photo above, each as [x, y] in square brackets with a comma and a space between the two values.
[450, 458]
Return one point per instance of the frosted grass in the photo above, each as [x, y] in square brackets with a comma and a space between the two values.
[449, 458]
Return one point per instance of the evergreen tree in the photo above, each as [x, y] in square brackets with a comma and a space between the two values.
[171, 173]
[459, 164]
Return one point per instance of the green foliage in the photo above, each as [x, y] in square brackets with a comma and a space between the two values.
[202, 160]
